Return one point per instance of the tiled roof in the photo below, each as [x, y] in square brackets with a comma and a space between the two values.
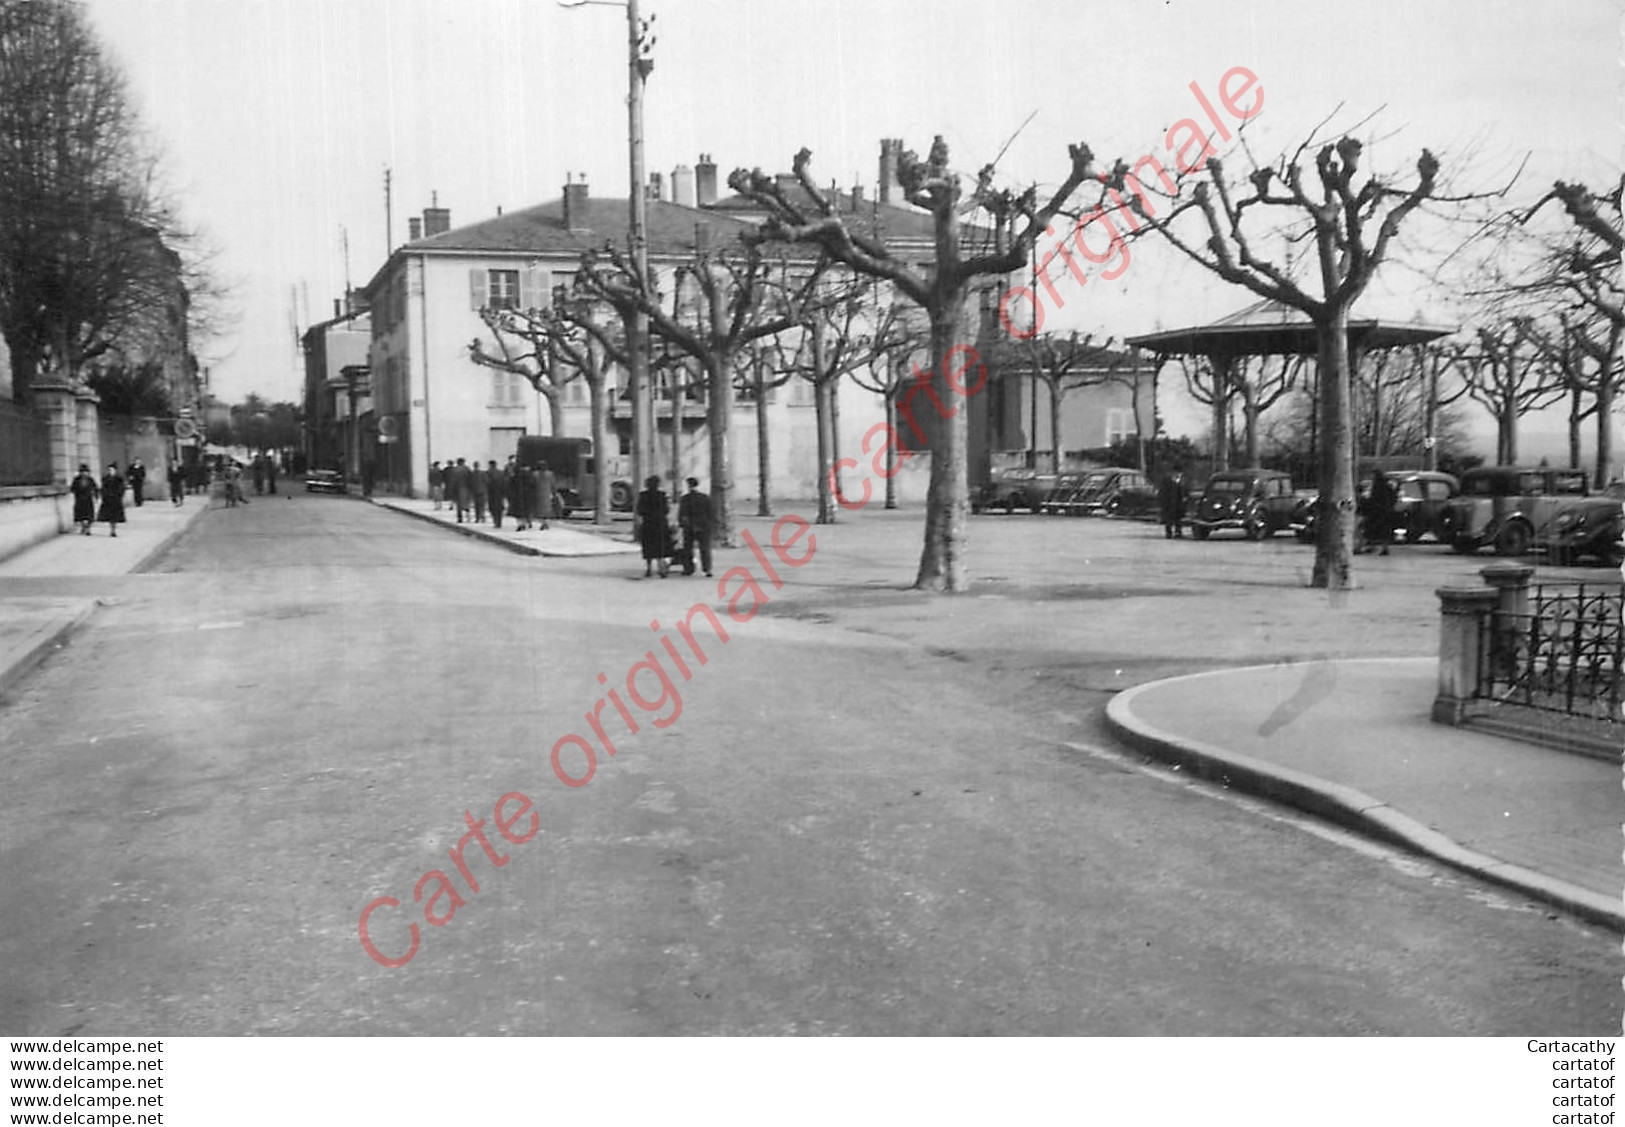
[865, 216]
[540, 230]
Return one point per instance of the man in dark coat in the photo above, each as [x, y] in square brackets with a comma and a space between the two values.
[694, 518]
[1379, 517]
[457, 485]
[1171, 501]
[177, 483]
[138, 481]
[112, 510]
[476, 486]
[270, 475]
[258, 467]
[496, 489]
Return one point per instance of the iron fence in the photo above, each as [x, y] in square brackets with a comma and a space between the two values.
[25, 447]
[1564, 655]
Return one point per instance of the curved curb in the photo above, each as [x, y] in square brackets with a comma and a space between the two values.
[1347, 807]
[460, 529]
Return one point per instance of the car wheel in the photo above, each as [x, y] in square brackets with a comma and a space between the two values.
[1513, 540]
[620, 495]
[1254, 528]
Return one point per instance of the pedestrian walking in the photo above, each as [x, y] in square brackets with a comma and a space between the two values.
[138, 482]
[520, 493]
[112, 510]
[85, 491]
[1172, 498]
[496, 492]
[652, 533]
[270, 475]
[369, 476]
[477, 487]
[547, 494]
[694, 519]
[457, 488]
[437, 485]
[1379, 516]
[258, 469]
[177, 483]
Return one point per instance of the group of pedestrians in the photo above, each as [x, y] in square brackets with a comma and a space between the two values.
[664, 545]
[527, 494]
[87, 492]
[264, 471]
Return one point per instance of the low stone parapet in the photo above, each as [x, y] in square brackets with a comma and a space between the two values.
[30, 514]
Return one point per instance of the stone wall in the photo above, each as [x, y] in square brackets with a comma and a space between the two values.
[32, 513]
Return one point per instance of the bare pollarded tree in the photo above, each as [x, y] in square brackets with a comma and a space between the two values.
[1351, 217]
[940, 286]
[739, 296]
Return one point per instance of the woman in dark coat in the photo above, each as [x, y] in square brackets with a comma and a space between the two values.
[112, 500]
[85, 491]
[652, 509]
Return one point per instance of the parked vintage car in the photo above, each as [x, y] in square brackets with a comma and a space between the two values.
[1421, 499]
[1010, 490]
[1134, 497]
[1094, 492]
[1509, 507]
[1588, 528]
[325, 481]
[1257, 503]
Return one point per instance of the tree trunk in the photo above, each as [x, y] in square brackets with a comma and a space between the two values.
[1055, 424]
[823, 393]
[1221, 412]
[892, 457]
[1576, 422]
[764, 447]
[719, 414]
[598, 398]
[823, 424]
[947, 506]
[555, 412]
[1249, 414]
[1430, 414]
[1606, 391]
[1334, 541]
[1507, 439]
[835, 431]
[676, 381]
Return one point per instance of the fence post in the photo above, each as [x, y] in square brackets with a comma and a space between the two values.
[1462, 614]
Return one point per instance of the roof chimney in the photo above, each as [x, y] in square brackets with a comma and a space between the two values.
[575, 203]
[414, 229]
[682, 185]
[891, 152]
[436, 219]
[657, 186]
[705, 181]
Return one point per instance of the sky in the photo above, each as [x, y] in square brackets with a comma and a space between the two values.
[277, 119]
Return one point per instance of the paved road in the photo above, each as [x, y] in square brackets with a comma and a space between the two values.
[876, 814]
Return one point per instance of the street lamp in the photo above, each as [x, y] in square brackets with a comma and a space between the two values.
[639, 64]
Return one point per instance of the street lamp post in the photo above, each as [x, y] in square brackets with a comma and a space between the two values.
[639, 64]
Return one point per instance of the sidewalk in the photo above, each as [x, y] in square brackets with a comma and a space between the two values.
[44, 595]
[1351, 741]
[558, 540]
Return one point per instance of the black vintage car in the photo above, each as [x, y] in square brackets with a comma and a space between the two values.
[1421, 499]
[1509, 507]
[1256, 503]
[1588, 528]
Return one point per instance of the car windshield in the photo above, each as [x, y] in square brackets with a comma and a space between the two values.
[1490, 486]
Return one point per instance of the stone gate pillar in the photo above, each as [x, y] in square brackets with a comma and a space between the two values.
[1462, 614]
[87, 413]
[54, 401]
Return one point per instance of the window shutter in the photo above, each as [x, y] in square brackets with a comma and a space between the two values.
[536, 285]
[478, 288]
